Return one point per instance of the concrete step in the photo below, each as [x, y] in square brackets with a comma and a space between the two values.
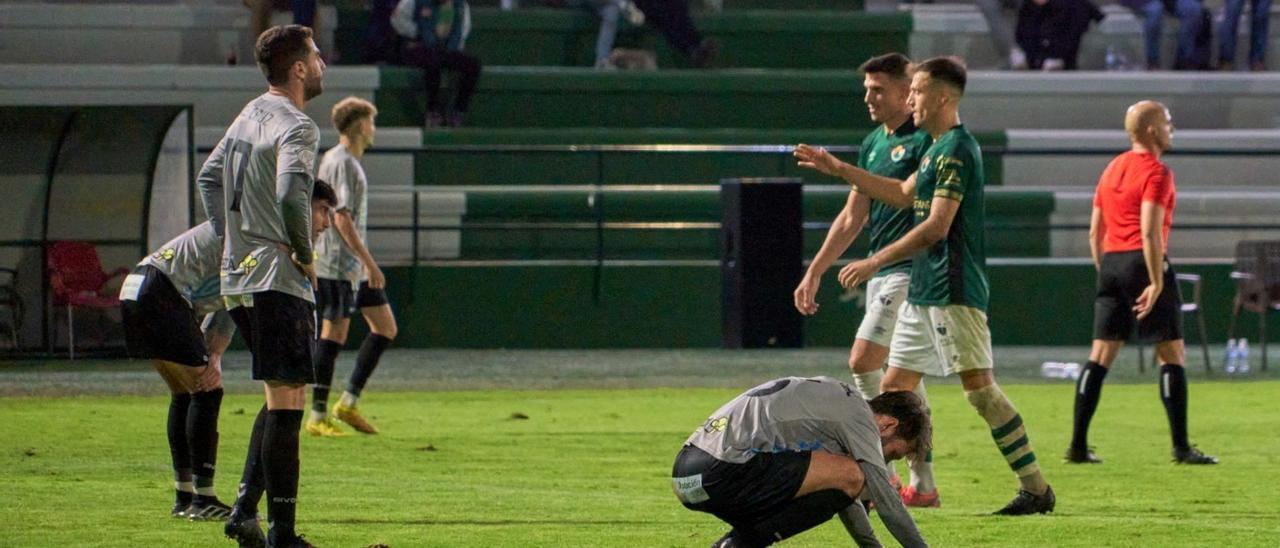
[217, 93]
[137, 33]
[960, 29]
[1199, 159]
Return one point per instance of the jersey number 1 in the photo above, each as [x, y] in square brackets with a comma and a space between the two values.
[233, 169]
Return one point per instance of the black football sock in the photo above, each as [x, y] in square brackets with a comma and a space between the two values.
[202, 435]
[370, 352]
[1173, 393]
[251, 481]
[1088, 392]
[325, 356]
[179, 449]
[280, 464]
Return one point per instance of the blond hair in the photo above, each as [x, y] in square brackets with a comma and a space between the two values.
[351, 110]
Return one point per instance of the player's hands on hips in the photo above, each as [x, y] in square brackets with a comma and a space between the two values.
[817, 158]
[857, 272]
[1146, 301]
[376, 279]
[805, 293]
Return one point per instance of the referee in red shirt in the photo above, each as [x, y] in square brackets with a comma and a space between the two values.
[1129, 235]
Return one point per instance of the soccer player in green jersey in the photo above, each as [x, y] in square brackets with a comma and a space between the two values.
[943, 328]
[893, 150]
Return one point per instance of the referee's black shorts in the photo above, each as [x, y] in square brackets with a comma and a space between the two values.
[1121, 279]
[280, 330]
[739, 494]
[336, 300]
[159, 324]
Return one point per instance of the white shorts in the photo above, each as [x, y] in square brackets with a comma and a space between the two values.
[885, 297]
[941, 340]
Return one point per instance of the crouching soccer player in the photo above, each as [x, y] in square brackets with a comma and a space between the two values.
[787, 455]
[161, 301]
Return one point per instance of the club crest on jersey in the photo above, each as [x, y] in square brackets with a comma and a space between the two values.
[871, 157]
[898, 153]
[924, 164]
[165, 254]
[716, 425]
[248, 263]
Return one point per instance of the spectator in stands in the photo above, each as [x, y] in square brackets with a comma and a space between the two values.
[1049, 31]
[1191, 32]
[671, 17]
[437, 31]
[304, 13]
[381, 43]
[1002, 36]
[1259, 19]
[609, 12]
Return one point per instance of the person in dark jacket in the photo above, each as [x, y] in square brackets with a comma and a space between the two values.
[436, 33]
[1049, 31]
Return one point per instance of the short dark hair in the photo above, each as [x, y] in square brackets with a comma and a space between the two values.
[948, 69]
[323, 191]
[278, 48]
[914, 424]
[895, 64]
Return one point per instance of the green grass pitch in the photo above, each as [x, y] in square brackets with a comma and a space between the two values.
[590, 466]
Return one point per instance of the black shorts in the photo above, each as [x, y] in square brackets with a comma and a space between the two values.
[740, 494]
[1121, 279]
[336, 301]
[160, 324]
[280, 330]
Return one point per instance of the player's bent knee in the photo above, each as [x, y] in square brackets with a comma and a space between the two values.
[829, 471]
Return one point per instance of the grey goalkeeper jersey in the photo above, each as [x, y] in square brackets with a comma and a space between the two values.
[246, 190]
[334, 260]
[809, 414]
[191, 262]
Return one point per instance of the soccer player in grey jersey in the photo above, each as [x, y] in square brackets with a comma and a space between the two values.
[788, 454]
[161, 301]
[257, 187]
[349, 278]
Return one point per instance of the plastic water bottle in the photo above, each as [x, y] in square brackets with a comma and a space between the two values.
[1242, 353]
[1113, 58]
[1233, 357]
[1060, 370]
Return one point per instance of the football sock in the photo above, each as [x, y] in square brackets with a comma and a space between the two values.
[868, 384]
[251, 481]
[922, 471]
[1173, 393]
[325, 356]
[796, 516]
[370, 352]
[1009, 434]
[179, 449]
[1088, 392]
[202, 436]
[280, 467]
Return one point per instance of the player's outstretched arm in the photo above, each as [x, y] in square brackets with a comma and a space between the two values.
[889, 505]
[855, 520]
[888, 190]
[941, 214]
[844, 229]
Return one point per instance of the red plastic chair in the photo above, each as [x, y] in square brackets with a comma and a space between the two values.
[76, 280]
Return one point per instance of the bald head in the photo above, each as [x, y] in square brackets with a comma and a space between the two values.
[1149, 124]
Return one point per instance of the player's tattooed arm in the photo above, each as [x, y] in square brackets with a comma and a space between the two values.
[855, 520]
[889, 505]
[295, 204]
[210, 182]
